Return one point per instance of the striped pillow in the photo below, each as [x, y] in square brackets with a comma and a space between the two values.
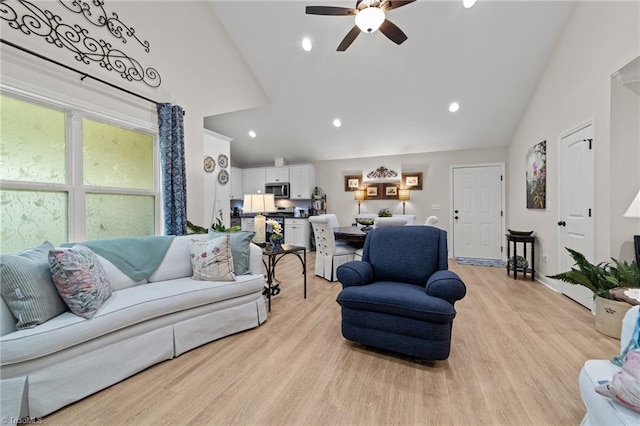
[27, 287]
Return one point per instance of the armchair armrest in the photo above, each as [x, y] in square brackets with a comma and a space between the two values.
[355, 273]
[446, 285]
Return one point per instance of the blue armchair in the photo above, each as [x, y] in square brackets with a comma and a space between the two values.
[400, 297]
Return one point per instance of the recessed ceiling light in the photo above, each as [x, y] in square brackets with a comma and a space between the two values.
[252, 133]
[306, 44]
[468, 3]
[454, 106]
[337, 123]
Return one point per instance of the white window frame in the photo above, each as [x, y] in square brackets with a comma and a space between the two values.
[74, 187]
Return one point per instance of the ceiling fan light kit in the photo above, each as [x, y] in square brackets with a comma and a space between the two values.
[369, 17]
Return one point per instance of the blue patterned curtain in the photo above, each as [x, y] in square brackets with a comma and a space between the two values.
[174, 182]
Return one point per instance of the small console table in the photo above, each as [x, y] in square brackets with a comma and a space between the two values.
[273, 256]
[524, 239]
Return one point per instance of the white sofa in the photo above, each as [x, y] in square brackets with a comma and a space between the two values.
[68, 357]
[600, 409]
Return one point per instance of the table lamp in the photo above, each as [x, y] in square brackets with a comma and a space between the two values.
[404, 195]
[634, 212]
[259, 203]
[358, 195]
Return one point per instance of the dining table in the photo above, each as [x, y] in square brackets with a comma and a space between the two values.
[349, 233]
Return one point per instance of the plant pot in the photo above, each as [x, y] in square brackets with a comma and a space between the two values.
[609, 314]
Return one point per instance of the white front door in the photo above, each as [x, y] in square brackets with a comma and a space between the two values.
[477, 212]
[576, 200]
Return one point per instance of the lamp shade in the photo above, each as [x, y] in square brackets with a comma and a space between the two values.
[358, 195]
[634, 208]
[404, 194]
[370, 19]
[258, 203]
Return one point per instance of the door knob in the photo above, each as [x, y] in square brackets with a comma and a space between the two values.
[455, 211]
[562, 223]
[455, 217]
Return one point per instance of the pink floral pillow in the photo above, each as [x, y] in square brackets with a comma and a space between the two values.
[80, 279]
[624, 387]
[212, 259]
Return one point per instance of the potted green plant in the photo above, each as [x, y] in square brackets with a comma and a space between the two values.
[600, 279]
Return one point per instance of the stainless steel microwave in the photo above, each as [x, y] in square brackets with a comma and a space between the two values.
[278, 189]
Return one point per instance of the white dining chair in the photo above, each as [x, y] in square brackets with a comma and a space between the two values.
[329, 253]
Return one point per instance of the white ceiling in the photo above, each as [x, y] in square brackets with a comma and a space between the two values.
[390, 98]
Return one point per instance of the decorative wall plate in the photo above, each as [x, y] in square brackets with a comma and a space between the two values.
[223, 161]
[209, 164]
[223, 177]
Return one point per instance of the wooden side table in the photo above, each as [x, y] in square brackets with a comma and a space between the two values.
[515, 239]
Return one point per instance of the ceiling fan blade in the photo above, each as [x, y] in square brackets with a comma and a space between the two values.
[330, 10]
[348, 39]
[392, 32]
[393, 4]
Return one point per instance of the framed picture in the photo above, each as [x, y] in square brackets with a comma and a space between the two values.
[391, 192]
[351, 183]
[536, 176]
[412, 181]
[373, 192]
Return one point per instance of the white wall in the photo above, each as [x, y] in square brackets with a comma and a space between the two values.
[436, 183]
[625, 167]
[200, 67]
[215, 195]
[599, 38]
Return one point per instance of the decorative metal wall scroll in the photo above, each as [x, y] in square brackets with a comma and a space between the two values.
[30, 19]
[382, 173]
[99, 18]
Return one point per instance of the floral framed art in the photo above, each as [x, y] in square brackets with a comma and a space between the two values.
[536, 176]
[352, 182]
[412, 181]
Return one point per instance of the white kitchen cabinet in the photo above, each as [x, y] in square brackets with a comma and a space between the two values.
[248, 224]
[253, 180]
[297, 232]
[303, 180]
[235, 182]
[277, 174]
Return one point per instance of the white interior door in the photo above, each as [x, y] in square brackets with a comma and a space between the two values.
[576, 200]
[477, 212]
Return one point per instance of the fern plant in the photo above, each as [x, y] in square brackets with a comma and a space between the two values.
[602, 277]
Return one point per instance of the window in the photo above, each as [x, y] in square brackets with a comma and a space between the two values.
[70, 175]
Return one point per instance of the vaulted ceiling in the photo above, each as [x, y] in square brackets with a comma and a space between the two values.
[390, 98]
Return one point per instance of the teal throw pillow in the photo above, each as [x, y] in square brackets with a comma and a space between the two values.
[27, 287]
[240, 243]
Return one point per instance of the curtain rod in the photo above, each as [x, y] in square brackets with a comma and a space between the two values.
[84, 74]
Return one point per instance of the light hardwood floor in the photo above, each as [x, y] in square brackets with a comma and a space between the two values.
[516, 353]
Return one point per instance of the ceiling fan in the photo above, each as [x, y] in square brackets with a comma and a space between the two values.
[369, 16]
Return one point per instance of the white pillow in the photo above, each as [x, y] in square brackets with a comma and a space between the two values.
[212, 260]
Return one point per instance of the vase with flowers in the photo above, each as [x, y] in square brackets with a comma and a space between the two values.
[276, 236]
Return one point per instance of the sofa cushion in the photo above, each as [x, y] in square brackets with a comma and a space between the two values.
[406, 300]
[624, 387]
[117, 278]
[211, 260]
[80, 279]
[177, 261]
[27, 287]
[240, 248]
[602, 410]
[123, 309]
